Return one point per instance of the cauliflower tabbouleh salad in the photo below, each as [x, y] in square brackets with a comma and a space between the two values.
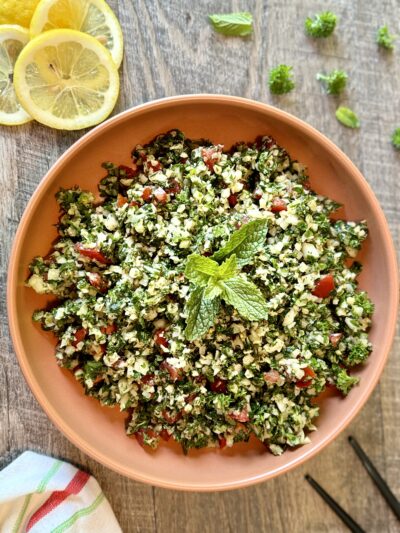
[207, 295]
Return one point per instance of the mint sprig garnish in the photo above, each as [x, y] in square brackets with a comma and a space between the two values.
[213, 281]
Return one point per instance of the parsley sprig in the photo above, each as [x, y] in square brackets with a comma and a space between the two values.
[218, 278]
[321, 25]
[384, 38]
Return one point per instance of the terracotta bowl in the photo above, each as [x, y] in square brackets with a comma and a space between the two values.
[99, 431]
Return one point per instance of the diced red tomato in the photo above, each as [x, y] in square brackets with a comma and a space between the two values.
[160, 195]
[265, 142]
[272, 376]
[97, 281]
[109, 329]
[141, 433]
[232, 200]
[303, 384]
[134, 203]
[92, 253]
[334, 338]
[324, 286]
[190, 397]
[98, 380]
[129, 172]
[80, 334]
[222, 442]
[147, 194]
[211, 156]
[171, 419]
[309, 372]
[148, 379]
[257, 194]
[219, 385]
[155, 166]
[160, 339]
[140, 437]
[278, 205]
[165, 435]
[174, 188]
[241, 416]
[121, 200]
[173, 372]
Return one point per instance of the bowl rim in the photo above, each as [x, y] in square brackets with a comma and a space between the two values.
[90, 136]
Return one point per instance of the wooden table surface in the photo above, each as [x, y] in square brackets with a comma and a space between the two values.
[171, 49]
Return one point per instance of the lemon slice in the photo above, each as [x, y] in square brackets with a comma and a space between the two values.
[66, 80]
[89, 16]
[12, 41]
[17, 11]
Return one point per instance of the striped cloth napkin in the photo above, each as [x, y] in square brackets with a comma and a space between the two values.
[40, 494]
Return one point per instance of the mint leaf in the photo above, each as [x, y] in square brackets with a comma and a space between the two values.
[228, 268]
[245, 242]
[199, 269]
[246, 298]
[233, 24]
[214, 288]
[201, 313]
[347, 117]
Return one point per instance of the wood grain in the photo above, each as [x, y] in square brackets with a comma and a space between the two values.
[171, 49]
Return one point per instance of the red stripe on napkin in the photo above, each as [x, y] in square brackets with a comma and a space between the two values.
[57, 497]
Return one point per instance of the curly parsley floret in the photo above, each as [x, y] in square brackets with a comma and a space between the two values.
[321, 25]
[280, 79]
[274, 316]
[334, 82]
[396, 138]
[384, 38]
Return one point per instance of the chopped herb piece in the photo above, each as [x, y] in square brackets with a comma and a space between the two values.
[321, 25]
[347, 117]
[396, 138]
[384, 39]
[334, 82]
[281, 79]
[233, 24]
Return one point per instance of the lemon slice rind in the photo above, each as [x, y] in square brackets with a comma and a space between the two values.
[76, 18]
[11, 32]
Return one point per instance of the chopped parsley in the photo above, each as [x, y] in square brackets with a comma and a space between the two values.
[396, 138]
[384, 39]
[280, 79]
[321, 25]
[334, 82]
[207, 295]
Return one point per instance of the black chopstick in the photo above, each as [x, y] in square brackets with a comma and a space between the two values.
[376, 477]
[341, 513]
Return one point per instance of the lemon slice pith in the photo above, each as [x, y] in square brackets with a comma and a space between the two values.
[12, 40]
[66, 79]
[93, 17]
